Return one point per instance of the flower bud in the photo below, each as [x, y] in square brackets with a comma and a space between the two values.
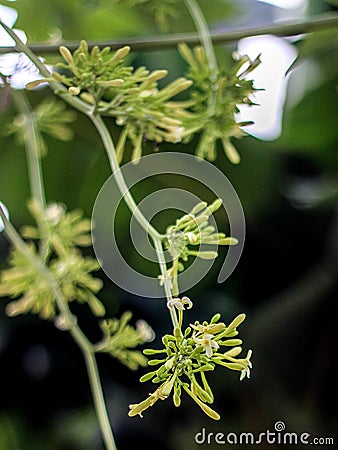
[121, 53]
[228, 241]
[148, 376]
[66, 54]
[74, 90]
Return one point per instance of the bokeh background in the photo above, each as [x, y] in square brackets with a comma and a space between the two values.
[286, 280]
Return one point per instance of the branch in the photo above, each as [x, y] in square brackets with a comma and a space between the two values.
[169, 41]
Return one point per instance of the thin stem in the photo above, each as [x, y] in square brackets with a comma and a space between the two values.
[206, 41]
[120, 181]
[100, 405]
[166, 281]
[203, 32]
[317, 23]
[128, 198]
[32, 149]
[33, 163]
[76, 332]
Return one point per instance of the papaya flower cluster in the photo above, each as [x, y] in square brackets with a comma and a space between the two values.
[120, 339]
[188, 355]
[214, 100]
[49, 117]
[55, 240]
[131, 96]
[185, 238]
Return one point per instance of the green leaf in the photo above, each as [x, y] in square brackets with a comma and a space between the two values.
[315, 45]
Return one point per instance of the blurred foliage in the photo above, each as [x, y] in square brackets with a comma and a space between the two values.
[79, 19]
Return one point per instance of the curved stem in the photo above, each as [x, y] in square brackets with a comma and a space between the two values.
[166, 281]
[120, 181]
[206, 41]
[128, 198]
[76, 332]
[203, 31]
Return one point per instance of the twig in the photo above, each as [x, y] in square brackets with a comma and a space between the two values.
[169, 41]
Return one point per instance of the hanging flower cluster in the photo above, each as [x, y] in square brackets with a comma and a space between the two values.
[58, 234]
[214, 102]
[191, 231]
[131, 96]
[187, 356]
[49, 117]
[120, 339]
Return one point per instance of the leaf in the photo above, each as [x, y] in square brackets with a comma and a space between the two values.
[311, 126]
[315, 45]
[332, 2]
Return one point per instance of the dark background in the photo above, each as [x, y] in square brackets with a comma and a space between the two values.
[286, 280]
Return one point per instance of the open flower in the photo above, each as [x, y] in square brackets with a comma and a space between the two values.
[208, 342]
[179, 303]
[246, 371]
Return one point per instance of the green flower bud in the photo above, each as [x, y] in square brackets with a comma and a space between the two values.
[232, 342]
[120, 54]
[231, 151]
[215, 205]
[215, 318]
[150, 351]
[236, 322]
[228, 241]
[177, 332]
[155, 362]
[205, 254]
[148, 376]
[74, 90]
[111, 83]
[177, 398]
[66, 55]
[198, 208]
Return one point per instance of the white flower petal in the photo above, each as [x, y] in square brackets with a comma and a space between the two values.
[5, 210]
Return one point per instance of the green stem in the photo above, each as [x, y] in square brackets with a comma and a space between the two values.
[203, 32]
[100, 405]
[166, 280]
[32, 149]
[206, 41]
[76, 332]
[120, 181]
[33, 164]
[134, 209]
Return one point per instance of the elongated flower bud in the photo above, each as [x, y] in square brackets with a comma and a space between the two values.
[66, 54]
[121, 53]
